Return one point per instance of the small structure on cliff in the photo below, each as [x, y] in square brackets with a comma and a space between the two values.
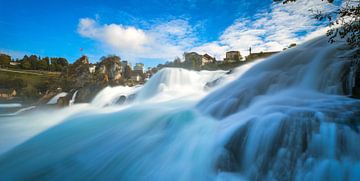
[139, 68]
[197, 59]
[233, 56]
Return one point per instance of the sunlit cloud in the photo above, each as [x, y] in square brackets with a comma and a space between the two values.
[272, 30]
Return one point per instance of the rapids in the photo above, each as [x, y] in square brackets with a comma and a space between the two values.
[282, 118]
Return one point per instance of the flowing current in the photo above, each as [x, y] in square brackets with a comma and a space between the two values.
[282, 118]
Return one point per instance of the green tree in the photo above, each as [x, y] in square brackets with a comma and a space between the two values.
[58, 64]
[25, 63]
[4, 60]
[127, 72]
[33, 59]
[43, 64]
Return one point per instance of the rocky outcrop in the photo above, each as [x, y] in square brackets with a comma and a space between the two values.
[63, 101]
[110, 68]
[87, 93]
[79, 72]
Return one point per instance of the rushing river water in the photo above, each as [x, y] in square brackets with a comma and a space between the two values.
[282, 118]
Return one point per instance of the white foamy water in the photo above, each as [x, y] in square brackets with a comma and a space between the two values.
[10, 105]
[56, 97]
[282, 118]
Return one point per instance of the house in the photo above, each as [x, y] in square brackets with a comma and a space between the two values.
[92, 69]
[195, 58]
[14, 63]
[139, 68]
[124, 63]
[7, 93]
[135, 77]
[206, 58]
[233, 56]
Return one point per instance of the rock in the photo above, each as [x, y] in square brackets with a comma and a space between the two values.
[213, 83]
[63, 101]
[87, 93]
[110, 68]
[121, 100]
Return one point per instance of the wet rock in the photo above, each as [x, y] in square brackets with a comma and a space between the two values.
[87, 93]
[121, 100]
[213, 83]
[63, 101]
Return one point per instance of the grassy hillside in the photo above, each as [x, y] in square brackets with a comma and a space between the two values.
[28, 84]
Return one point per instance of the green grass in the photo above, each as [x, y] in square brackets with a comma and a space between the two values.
[33, 80]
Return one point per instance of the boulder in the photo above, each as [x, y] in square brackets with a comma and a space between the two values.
[63, 101]
[110, 68]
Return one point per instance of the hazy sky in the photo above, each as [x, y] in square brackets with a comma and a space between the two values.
[152, 31]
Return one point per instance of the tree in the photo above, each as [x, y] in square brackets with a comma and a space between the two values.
[25, 63]
[58, 64]
[33, 59]
[127, 72]
[348, 20]
[43, 64]
[4, 60]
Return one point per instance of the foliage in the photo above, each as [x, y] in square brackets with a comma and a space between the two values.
[58, 64]
[4, 60]
[346, 25]
[25, 63]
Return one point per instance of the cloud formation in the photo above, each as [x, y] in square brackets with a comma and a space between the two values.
[271, 31]
[267, 31]
[163, 41]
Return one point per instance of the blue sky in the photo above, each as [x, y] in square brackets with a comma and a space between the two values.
[151, 31]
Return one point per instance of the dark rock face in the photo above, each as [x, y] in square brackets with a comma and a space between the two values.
[44, 99]
[110, 68]
[87, 93]
[79, 72]
[121, 100]
[63, 101]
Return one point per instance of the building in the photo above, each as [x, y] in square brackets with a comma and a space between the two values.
[233, 56]
[139, 68]
[135, 77]
[206, 58]
[92, 69]
[14, 63]
[195, 58]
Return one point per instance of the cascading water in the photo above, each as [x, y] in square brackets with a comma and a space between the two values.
[72, 101]
[56, 97]
[176, 83]
[283, 118]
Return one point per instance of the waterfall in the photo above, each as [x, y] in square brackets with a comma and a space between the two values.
[110, 95]
[282, 118]
[171, 83]
[56, 97]
[72, 101]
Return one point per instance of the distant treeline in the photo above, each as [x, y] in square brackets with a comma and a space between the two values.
[34, 62]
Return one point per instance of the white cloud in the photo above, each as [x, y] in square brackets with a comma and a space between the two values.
[273, 30]
[267, 31]
[214, 48]
[163, 41]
